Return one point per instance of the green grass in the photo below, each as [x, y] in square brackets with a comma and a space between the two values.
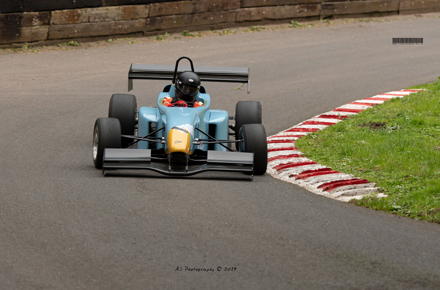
[161, 37]
[227, 32]
[187, 33]
[255, 28]
[74, 43]
[396, 145]
[326, 21]
[295, 24]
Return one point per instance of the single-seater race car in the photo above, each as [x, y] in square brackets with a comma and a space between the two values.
[182, 135]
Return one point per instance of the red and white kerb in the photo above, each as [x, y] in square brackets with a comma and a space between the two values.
[286, 163]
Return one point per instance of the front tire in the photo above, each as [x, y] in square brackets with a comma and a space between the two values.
[106, 134]
[123, 107]
[255, 141]
[247, 112]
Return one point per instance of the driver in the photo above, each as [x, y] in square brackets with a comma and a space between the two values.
[186, 87]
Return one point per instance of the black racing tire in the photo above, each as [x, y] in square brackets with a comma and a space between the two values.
[255, 140]
[106, 134]
[123, 107]
[247, 112]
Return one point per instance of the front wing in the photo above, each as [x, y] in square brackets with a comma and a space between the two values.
[142, 159]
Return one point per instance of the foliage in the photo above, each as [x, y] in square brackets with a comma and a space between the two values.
[161, 37]
[74, 43]
[255, 28]
[295, 24]
[187, 33]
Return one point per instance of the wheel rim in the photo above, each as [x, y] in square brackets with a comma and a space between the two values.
[95, 143]
[242, 144]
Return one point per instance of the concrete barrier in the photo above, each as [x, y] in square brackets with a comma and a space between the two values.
[27, 21]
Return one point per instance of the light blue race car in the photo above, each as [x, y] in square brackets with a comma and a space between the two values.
[181, 138]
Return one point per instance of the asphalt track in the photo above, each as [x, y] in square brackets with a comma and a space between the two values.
[63, 226]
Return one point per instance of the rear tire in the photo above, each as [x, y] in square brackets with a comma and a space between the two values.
[255, 141]
[106, 134]
[123, 107]
[247, 112]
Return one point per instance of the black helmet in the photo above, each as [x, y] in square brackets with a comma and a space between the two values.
[187, 86]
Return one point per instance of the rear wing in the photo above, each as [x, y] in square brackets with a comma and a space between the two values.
[206, 73]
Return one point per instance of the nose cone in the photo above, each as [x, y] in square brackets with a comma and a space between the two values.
[179, 140]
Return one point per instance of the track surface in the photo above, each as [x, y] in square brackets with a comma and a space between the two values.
[63, 226]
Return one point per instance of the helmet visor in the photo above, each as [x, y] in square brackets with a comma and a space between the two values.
[188, 90]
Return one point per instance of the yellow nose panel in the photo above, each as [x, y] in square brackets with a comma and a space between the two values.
[178, 141]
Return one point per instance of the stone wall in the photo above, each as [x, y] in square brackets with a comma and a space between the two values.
[30, 21]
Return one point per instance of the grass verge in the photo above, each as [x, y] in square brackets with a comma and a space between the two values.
[396, 145]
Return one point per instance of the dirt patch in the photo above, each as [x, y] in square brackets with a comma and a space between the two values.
[374, 125]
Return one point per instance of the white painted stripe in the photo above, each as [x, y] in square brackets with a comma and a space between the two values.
[279, 146]
[303, 169]
[325, 120]
[321, 179]
[388, 96]
[285, 133]
[295, 171]
[380, 96]
[293, 160]
[334, 113]
[356, 107]
[399, 93]
[281, 153]
[352, 186]
[370, 101]
[320, 127]
[354, 191]
[294, 133]
[348, 198]
[283, 138]
[285, 151]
